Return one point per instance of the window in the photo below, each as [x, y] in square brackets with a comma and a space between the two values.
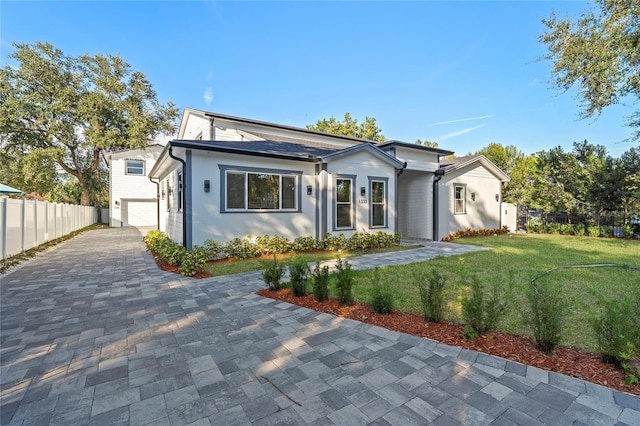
[135, 167]
[254, 189]
[344, 204]
[180, 190]
[378, 196]
[460, 199]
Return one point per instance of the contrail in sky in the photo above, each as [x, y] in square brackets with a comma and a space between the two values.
[462, 119]
[460, 132]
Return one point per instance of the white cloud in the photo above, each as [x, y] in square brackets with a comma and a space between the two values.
[459, 132]
[208, 95]
[462, 119]
[534, 82]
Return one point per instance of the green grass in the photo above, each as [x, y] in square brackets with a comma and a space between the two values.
[524, 257]
[224, 267]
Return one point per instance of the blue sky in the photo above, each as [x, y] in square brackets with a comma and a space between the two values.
[463, 74]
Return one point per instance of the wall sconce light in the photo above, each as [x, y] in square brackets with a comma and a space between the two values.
[117, 203]
[473, 196]
[309, 190]
[170, 191]
[207, 185]
[163, 194]
[363, 191]
[497, 197]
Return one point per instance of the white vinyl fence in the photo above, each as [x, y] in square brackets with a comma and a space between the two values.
[25, 224]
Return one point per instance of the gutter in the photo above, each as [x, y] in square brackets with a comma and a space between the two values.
[157, 202]
[184, 205]
[437, 175]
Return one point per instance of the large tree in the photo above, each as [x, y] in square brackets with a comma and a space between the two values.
[599, 53]
[349, 126]
[70, 110]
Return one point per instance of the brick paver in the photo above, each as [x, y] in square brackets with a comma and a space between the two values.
[92, 333]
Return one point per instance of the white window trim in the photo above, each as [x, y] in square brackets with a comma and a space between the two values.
[352, 178]
[126, 167]
[464, 200]
[385, 202]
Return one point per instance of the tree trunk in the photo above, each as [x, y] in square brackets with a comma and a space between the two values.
[85, 196]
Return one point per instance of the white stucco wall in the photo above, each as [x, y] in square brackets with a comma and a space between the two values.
[125, 188]
[483, 213]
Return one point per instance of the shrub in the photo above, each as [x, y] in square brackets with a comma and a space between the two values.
[606, 231]
[554, 228]
[617, 329]
[171, 252]
[344, 283]
[193, 261]
[239, 249]
[333, 242]
[432, 296]
[299, 273]
[154, 238]
[544, 315]
[214, 248]
[579, 230]
[320, 282]
[272, 275]
[381, 296]
[469, 233]
[358, 241]
[480, 313]
[261, 244]
[304, 244]
[278, 245]
[593, 231]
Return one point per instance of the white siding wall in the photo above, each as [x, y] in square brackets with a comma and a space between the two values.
[195, 126]
[209, 223]
[510, 216]
[131, 187]
[483, 213]
[170, 216]
[362, 165]
[417, 159]
[415, 209]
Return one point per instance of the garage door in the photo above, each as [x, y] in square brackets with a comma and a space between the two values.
[139, 213]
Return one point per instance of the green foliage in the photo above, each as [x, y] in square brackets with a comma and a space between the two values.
[214, 248]
[272, 275]
[482, 311]
[193, 261]
[344, 282]
[278, 245]
[320, 282]
[432, 296]
[544, 314]
[350, 127]
[627, 358]
[617, 329]
[469, 333]
[593, 231]
[239, 249]
[470, 233]
[381, 297]
[70, 110]
[299, 273]
[304, 244]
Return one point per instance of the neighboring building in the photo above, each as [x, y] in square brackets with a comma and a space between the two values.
[133, 198]
[226, 177]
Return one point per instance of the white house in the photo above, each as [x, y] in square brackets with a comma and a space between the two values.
[133, 197]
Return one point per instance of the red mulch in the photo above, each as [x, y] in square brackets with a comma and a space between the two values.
[572, 362]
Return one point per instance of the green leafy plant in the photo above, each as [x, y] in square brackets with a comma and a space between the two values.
[617, 329]
[214, 248]
[381, 296]
[299, 273]
[544, 315]
[239, 249]
[272, 275]
[320, 282]
[193, 261]
[304, 244]
[432, 296]
[483, 312]
[344, 282]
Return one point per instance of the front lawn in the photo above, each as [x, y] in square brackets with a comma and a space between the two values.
[517, 259]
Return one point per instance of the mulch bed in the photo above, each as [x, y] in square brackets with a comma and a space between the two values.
[572, 362]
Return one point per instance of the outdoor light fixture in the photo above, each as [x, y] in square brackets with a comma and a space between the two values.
[363, 191]
[309, 190]
[207, 185]
[497, 197]
[473, 196]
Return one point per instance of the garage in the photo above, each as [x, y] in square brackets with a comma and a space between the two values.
[139, 213]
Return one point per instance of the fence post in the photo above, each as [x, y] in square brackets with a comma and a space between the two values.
[35, 223]
[23, 222]
[3, 226]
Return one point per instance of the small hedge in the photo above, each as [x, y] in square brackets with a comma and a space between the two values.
[193, 261]
[475, 233]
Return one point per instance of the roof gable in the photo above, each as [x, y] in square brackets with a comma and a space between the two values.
[453, 164]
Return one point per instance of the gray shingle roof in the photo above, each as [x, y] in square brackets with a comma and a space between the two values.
[264, 148]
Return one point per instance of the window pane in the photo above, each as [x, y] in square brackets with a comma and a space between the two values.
[288, 192]
[459, 192]
[377, 192]
[235, 190]
[343, 190]
[263, 191]
[459, 199]
[343, 216]
[459, 206]
[135, 167]
[378, 215]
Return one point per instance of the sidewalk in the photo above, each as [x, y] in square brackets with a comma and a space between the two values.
[93, 333]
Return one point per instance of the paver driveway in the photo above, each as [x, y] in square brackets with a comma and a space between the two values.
[94, 333]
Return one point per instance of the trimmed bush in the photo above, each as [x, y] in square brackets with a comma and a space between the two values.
[299, 273]
[272, 275]
[240, 249]
[214, 248]
[617, 330]
[470, 233]
[193, 261]
[432, 296]
[320, 283]
[381, 297]
[480, 312]
[544, 314]
[344, 282]
[303, 244]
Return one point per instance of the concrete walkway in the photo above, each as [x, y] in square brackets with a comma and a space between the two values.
[92, 333]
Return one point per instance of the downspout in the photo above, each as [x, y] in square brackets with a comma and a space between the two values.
[184, 205]
[157, 202]
[437, 175]
[395, 202]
